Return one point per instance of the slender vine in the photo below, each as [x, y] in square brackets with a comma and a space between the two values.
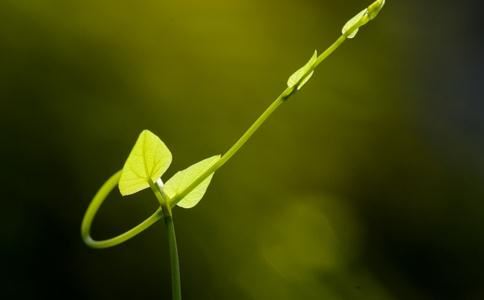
[150, 158]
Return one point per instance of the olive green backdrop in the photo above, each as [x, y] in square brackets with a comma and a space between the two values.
[366, 185]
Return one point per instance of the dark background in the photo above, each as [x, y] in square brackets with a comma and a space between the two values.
[366, 185]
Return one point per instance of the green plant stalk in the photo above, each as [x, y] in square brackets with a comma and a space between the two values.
[295, 83]
[163, 198]
[173, 249]
[329, 50]
[284, 96]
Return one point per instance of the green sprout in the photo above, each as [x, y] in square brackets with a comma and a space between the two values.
[150, 158]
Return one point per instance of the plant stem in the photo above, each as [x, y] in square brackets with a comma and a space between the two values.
[93, 208]
[163, 199]
[174, 260]
[284, 96]
[235, 147]
[329, 50]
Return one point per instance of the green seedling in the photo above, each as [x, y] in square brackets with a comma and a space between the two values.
[150, 158]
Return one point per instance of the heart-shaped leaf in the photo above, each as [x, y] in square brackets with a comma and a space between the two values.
[184, 178]
[301, 76]
[148, 160]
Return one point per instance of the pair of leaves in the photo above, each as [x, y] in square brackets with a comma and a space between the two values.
[302, 76]
[351, 28]
[150, 158]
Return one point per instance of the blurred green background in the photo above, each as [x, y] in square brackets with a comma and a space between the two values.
[366, 185]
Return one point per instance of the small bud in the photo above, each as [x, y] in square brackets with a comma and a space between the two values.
[375, 8]
[301, 76]
[350, 29]
[353, 25]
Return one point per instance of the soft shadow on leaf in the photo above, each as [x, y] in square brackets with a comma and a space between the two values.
[184, 178]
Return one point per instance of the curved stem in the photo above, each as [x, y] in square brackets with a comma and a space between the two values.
[155, 217]
[93, 208]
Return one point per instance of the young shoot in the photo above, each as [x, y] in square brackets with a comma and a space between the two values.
[150, 158]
